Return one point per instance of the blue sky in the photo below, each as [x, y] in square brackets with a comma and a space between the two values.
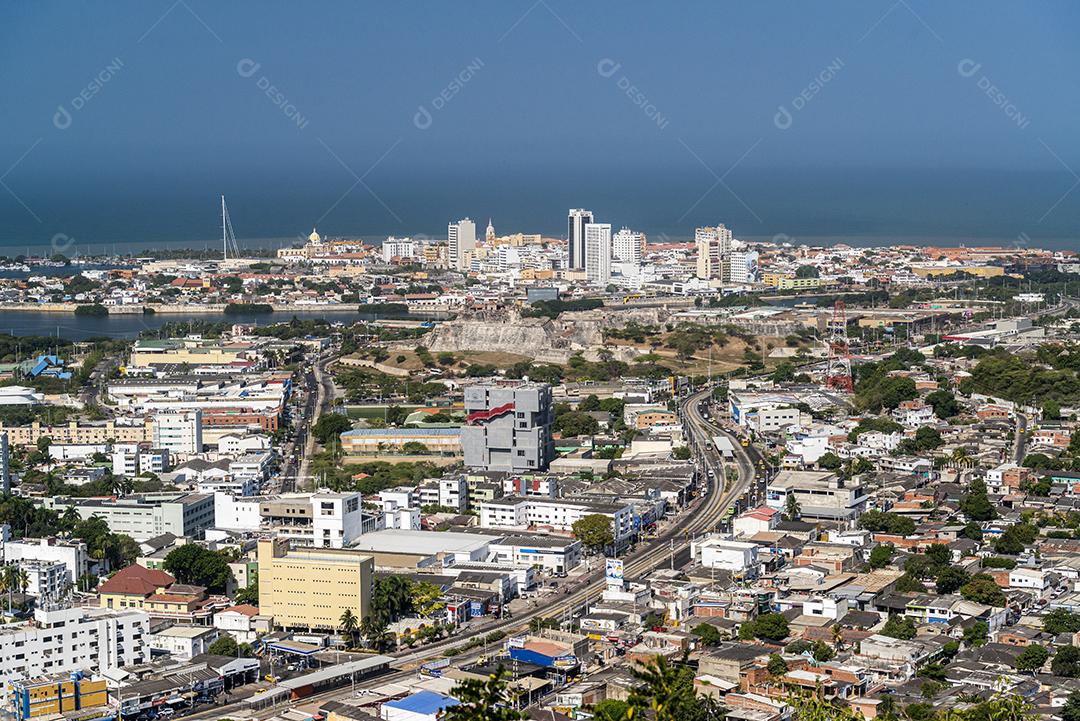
[459, 106]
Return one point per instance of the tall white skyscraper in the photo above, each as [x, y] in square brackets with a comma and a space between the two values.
[575, 237]
[713, 243]
[598, 252]
[462, 238]
[626, 246]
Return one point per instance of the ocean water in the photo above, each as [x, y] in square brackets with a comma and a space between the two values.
[857, 206]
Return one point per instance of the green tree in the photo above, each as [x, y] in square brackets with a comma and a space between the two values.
[982, 589]
[329, 427]
[200, 566]
[227, 646]
[776, 665]
[708, 634]
[881, 555]
[944, 404]
[977, 634]
[830, 461]
[1066, 662]
[350, 626]
[973, 531]
[250, 593]
[611, 709]
[680, 453]
[792, 509]
[1071, 710]
[1032, 658]
[975, 503]
[427, 598]
[594, 531]
[899, 627]
[950, 579]
[1060, 621]
[771, 627]
[484, 700]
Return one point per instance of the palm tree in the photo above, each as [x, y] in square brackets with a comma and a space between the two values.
[837, 637]
[349, 625]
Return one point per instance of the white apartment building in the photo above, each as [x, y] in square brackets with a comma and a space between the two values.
[234, 444]
[770, 420]
[398, 248]
[71, 639]
[322, 519]
[252, 466]
[721, 553]
[129, 460]
[461, 241]
[553, 514]
[179, 431]
[713, 244]
[598, 253]
[551, 553]
[626, 246]
[46, 580]
[184, 642]
[72, 554]
[147, 515]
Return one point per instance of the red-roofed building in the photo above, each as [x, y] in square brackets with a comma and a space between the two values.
[756, 520]
[131, 586]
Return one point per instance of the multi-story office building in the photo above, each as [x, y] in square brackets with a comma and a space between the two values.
[73, 639]
[132, 459]
[310, 588]
[179, 432]
[323, 519]
[821, 495]
[575, 237]
[72, 554]
[398, 248]
[713, 244]
[598, 252]
[627, 246]
[147, 515]
[461, 241]
[740, 266]
[552, 553]
[508, 427]
[47, 580]
[558, 514]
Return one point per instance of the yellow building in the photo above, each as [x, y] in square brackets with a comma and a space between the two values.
[310, 588]
[979, 271]
[64, 693]
[192, 352]
[84, 433]
[788, 281]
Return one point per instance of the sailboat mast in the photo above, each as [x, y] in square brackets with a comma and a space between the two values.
[224, 232]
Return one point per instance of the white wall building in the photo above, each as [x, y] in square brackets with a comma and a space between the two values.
[46, 580]
[71, 639]
[179, 431]
[461, 241]
[72, 554]
[626, 246]
[184, 642]
[598, 253]
[720, 553]
[398, 248]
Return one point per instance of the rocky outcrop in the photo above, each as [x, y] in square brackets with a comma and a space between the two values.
[542, 339]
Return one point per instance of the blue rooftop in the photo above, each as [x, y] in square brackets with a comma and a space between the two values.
[424, 702]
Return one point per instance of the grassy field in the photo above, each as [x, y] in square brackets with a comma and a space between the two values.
[368, 412]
